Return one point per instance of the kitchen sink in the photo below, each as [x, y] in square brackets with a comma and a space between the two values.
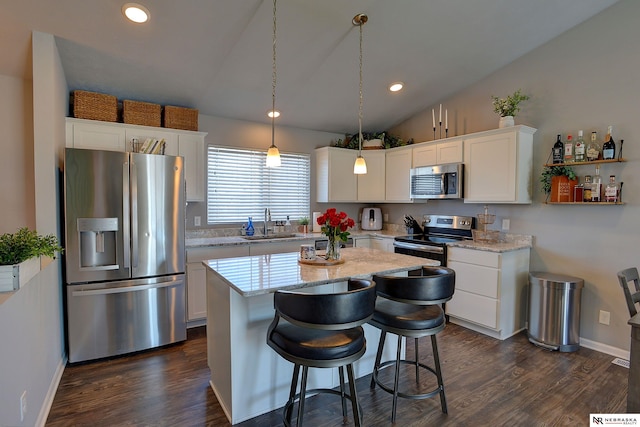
[270, 236]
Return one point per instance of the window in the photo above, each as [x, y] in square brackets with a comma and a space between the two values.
[239, 185]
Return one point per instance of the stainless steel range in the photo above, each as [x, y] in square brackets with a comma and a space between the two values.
[438, 231]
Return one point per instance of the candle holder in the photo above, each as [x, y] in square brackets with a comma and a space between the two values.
[446, 132]
[440, 130]
[434, 133]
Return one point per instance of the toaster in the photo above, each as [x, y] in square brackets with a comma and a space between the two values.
[371, 219]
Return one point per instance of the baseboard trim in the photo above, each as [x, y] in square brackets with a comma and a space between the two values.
[604, 348]
[51, 393]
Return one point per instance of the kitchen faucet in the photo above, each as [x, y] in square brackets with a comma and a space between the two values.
[267, 218]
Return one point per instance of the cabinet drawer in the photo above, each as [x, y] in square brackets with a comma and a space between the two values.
[472, 256]
[474, 308]
[476, 279]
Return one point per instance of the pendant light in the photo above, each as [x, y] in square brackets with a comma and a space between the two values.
[273, 155]
[360, 166]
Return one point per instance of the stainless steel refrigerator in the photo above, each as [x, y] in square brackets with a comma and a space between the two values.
[124, 252]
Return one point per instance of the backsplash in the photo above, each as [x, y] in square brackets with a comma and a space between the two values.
[235, 231]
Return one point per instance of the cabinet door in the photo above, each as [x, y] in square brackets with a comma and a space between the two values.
[278, 247]
[449, 152]
[398, 175]
[425, 155]
[371, 186]
[382, 243]
[362, 242]
[196, 291]
[474, 308]
[335, 180]
[97, 136]
[191, 147]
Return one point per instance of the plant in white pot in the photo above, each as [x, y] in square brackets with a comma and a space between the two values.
[507, 107]
[20, 254]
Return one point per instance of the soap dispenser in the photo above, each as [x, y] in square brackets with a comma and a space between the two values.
[250, 229]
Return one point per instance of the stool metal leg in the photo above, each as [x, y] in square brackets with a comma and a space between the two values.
[342, 394]
[436, 360]
[417, 360]
[376, 364]
[355, 406]
[303, 391]
[292, 393]
[396, 381]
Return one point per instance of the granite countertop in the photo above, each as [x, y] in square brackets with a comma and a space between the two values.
[507, 243]
[194, 242]
[262, 274]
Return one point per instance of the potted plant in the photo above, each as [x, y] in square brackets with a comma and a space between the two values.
[507, 107]
[304, 224]
[20, 254]
[558, 182]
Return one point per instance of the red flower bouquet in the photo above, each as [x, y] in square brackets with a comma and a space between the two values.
[334, 226]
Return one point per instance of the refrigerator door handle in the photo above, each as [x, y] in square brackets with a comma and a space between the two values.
[125, 216]
[124, 289]
[134, 215]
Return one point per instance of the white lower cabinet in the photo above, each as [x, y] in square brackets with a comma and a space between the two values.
[491, 290]
[382, 243]
[362, 242]
[278, 247]
[196, 275]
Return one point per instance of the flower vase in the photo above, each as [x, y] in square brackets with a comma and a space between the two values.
[505, 122]
[333, 250]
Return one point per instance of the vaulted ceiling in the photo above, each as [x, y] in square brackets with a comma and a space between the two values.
[216, 55]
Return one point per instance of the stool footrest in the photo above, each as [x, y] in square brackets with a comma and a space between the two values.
[401, 394]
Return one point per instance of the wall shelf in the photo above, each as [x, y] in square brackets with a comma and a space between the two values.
[593, 162]
[585, 203]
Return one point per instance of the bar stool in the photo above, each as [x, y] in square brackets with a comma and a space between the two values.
[630, 275]
[411, 307]
[322, 331]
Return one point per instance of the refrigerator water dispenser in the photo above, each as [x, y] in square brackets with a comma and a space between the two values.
[98, 243]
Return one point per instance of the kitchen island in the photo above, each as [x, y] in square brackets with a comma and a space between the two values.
[248, 377]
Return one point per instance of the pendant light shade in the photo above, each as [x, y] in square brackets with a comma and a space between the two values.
[360, 166]
[273, 155]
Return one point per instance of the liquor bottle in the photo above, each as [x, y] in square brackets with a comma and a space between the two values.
[569, 150]
[609, 146]
[593, 149]
[579, 149]
[612, 192]
[558, 151]
[587, 188]
[596, 186]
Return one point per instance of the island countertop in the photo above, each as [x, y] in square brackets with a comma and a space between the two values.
[263, 274]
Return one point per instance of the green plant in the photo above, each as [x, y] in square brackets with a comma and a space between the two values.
[510, 105]
[304, 221]
[388, 141]
[550, 171]
[25, 244]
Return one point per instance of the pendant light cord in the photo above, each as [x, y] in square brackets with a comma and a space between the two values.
[273, 83]
[360, 106]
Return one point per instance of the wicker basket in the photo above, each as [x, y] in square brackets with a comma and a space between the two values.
[95, 106]
[180, 118]
[141, 113]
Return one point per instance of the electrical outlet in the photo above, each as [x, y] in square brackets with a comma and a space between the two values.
[196, 221]
[23, 405]
[605, 317]
[385, 217]
[506, 224]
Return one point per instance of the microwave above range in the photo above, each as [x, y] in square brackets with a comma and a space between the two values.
[437, 182]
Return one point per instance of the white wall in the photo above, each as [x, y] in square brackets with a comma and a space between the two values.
[584, 79]
[31, 322]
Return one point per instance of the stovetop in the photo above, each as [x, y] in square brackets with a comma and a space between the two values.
[430, 239]
[442, 229]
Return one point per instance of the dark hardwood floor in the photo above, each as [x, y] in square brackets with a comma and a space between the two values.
[487, 382]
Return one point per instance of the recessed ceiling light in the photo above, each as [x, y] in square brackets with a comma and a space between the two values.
[273, 114]
[395, 87]
[136, 12]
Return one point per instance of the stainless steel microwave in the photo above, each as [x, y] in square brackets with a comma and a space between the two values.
[437, 182]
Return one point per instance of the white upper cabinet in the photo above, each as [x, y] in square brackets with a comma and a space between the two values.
[371, 186]
[96, 135]
[438, 153]
[335, 180]
[398, 176]
[499, 165]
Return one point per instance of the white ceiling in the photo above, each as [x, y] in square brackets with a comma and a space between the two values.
[216, 55]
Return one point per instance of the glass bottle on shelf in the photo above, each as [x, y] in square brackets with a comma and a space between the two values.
[609, 146]
[593, 149]
[596, 186]
[579, 149]
[586, 194]
[612, 191]
[558, 151]
[578, 191]
[569, 150]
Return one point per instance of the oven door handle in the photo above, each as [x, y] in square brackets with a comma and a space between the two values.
[419, 248]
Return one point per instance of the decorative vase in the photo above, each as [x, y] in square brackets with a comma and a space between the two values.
[333, 249]
[506, 121]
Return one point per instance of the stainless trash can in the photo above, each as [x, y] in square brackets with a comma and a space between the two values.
[554, 311]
